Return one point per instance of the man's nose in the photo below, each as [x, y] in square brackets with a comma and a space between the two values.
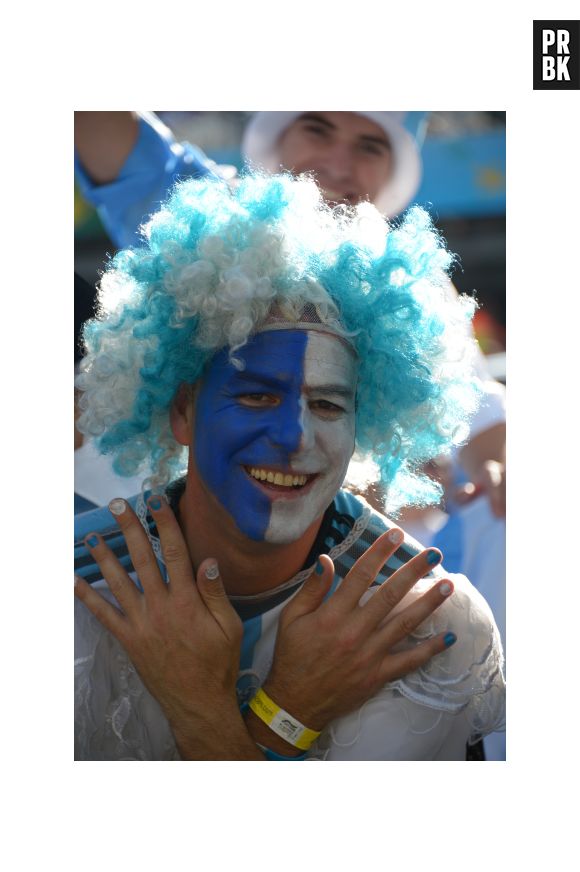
[338, 162]
[307, 439]
[285, 429]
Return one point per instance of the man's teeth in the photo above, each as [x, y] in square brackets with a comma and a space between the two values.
[278, 477]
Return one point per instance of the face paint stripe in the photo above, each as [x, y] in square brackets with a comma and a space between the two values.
[232, 434]
[273, 420]
[327, 441]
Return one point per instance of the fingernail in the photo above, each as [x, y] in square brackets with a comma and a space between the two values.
[395, 536]
[445, 588]
[155, 503]
[319, 568]
[92, 540]
[449, 639]
[77, 579]
[117, 506]
[212, 571]
[433, 557]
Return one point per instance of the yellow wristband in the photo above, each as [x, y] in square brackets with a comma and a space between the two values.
[281, 723]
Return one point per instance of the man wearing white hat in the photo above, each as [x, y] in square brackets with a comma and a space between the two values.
[354, 155]
[126, 162]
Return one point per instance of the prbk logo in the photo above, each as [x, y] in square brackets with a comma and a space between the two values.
[556, 59]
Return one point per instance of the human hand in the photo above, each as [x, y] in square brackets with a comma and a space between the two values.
[183, 637]
[331, 657]
[491, 483]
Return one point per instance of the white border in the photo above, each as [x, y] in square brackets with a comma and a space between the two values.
[450, 56]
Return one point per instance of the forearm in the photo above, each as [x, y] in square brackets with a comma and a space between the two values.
[225, 734]
[103, 142]
[238, 739]
[220, 736]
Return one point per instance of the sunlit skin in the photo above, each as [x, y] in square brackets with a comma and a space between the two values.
[349, 154]
[236, 427]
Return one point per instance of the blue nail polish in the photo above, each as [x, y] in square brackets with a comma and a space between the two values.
[433, 557]
[449, 639]
[92, 541]
[155, 503]
[319, 568]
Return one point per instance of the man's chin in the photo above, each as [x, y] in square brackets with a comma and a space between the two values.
[290, 520]
[281, 533]
[286, 525]
[284, 530]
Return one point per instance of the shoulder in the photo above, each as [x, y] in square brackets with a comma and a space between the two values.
[466, 680]
[432, 713]
[468, 677]
[475, 662]
[365, 527]
[100, 520]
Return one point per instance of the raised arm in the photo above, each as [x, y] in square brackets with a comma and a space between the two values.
[126, 163]
[103, 141]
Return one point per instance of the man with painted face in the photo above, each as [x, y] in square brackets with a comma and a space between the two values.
[127, 162]
[250, 608]
[277, 459]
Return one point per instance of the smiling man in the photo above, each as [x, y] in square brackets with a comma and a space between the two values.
[126, 163]
[354, 156]
[350, 155]
[274, 440]
[243, 354]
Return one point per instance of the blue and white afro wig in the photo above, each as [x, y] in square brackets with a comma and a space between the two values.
[216, 260]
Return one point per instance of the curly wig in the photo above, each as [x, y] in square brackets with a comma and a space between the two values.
[216, 260]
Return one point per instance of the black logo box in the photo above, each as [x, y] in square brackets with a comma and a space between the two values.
[553, 49]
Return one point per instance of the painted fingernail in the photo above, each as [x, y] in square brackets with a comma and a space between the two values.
[319, 568]
[212, 571]
[449, 639]
[433, 557]
[395, 536]
[92, 540]
[117, 506]
[155, 503]
[445, 588]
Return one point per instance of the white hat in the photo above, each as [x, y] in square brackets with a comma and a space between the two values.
[405, 132]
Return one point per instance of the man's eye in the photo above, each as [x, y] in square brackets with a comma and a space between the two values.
[326, 408]
[258, 401]
[316, 129]
[375, 150]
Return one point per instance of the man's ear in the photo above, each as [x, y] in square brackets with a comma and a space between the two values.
[181, 414]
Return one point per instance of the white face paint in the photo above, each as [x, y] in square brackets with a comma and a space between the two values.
[327, 422]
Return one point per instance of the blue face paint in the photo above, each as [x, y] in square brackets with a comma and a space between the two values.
[236, 429]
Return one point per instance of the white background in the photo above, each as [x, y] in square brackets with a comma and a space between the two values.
[361, 55]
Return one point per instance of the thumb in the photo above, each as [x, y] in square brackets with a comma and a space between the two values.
[312, 592]
[212, 591]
